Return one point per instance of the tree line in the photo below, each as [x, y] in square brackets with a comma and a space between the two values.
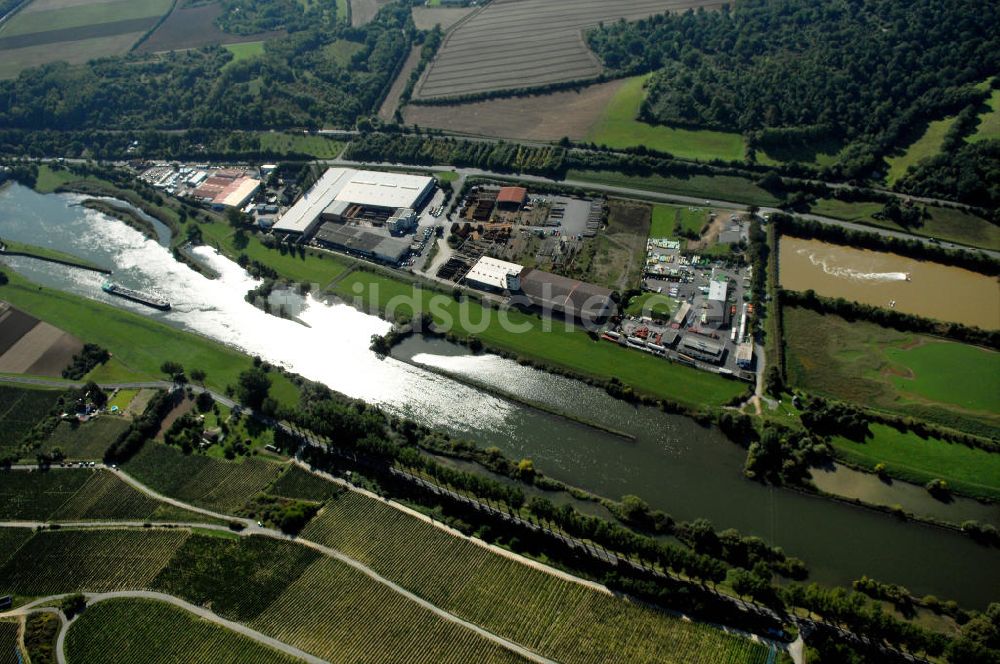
[784, 71]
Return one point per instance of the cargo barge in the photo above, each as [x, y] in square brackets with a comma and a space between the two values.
[136, 296]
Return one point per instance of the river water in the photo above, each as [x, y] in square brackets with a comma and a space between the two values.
[916, 287]
[670, 461]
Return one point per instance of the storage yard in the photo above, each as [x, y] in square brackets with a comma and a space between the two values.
[529, 43]
[219, 188]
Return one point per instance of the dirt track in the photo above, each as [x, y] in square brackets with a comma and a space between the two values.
[540, 118]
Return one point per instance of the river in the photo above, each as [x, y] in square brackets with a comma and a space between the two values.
[882, 279]
[671, 462]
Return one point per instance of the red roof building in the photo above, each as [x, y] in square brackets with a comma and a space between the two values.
[512, 196]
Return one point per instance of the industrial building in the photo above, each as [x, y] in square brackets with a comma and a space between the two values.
[347, 195]
[491, 274]
[512, 198]
[225, 188]
[701, 348]
[570, 297]
[363, 242]
[744, 355]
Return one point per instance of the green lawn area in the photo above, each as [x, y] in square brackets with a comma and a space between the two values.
[75, 16]
[244, 51]
[812, 153]
[927, 145]
[989, 122]
[343, 11]
[43, 252]
[49, 180]
[971, 471]
[342, 50]
[446, 176]
[122, 399]
[722, 187]
[312, 145]
[949, 383]
[944, 223]
[572, 349]
[619, 128]
[139, 344]
[656, 305]
[664, 218]
[315, 268]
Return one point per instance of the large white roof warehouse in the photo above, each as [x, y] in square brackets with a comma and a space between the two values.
[366, 188]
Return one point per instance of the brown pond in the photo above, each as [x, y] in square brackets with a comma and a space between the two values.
[887, 280]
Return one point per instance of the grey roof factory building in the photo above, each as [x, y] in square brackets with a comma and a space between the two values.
[569, 297]
[358, 240]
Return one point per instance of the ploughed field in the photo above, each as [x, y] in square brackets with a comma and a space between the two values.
[74, 31]
[529, 43]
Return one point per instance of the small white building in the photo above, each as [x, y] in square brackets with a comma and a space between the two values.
[494, 274]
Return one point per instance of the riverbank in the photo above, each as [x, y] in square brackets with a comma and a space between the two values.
[12, 248]
[123, 214]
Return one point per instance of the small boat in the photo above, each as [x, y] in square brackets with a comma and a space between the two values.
[908, 276]
[147, 299]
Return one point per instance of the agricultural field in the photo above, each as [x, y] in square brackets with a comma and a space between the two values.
[570, 349]
[74, 31]
[387, 111]
[12, 539]
[313, 145]
[240, 577]
[192, 25]
[41, 632]
[60, 561]
[363, 11]
[87, 441]
[245, 51]
[928, 145]
[528, 43]
[544, 117]
[20, 410]
[967, 470]
[557, 618]
[80, 495]
[953, 384]
[299, 484]
[223, 486]
[124, 631]
[727, 187]
[9, 631]
[619, 127]
[30, 346]
[425, 18]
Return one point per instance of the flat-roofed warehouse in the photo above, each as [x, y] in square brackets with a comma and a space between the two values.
[570, 297]
[386, 192]
[358, 240]
[702, 348]
[494, 274]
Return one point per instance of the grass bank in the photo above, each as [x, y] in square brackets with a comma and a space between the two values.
[139, 345]
[48, 254]
[571, 349]
[928, 145]
[967, 470]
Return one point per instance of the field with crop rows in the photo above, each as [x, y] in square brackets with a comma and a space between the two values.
[9, 631]
[529, 43]
[104, 496]
[126, 631]
[74, 30]
[321, 611]
[60, 561]
[240, 577]
[303, 485]
[203, 481]
[33, 496]
[555, 617]
[20, 410]
[87, 441]
[12, 539]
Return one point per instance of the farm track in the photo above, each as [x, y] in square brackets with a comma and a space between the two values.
[525, 43]
[251, 528]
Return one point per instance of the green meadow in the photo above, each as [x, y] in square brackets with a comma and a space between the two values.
[928, 145]
[721, 187]
[989, 121]
[949, 383]
[619, 127]
[907, 456]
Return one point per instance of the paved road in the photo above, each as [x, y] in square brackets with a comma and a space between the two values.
[662, 197]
